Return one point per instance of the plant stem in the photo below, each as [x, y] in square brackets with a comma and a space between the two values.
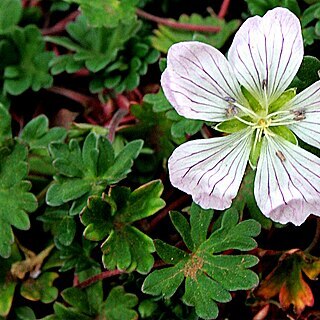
[177, 25]
[61, 25]
[315, 239]
[174, 205]
[108, 274]
[224, 9]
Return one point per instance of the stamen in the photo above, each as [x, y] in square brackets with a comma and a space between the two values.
[244, 121]
[245, 110]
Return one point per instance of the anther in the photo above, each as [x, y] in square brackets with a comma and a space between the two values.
[280, 155]
[264, 84]
[229, 99]
[299, 114]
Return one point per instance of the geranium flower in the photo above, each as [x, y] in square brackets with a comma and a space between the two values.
[247, 96]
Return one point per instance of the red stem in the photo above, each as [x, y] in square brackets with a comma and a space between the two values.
[61, 25]
[224, 9]
[174, 205]
[108, 274]
[177, 25]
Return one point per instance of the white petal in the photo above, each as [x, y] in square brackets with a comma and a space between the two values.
[211, 170]
[267, 52]
[287, 183]
[198, 81]
[307, 103]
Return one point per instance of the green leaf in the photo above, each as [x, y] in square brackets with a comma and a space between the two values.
[61, 224]
[165, 36]
[260, 7]
[208, 277]
[233, 235]
[32, 68]
[77, 255]
[199, 220]
[15, 198]
[307, 74]
[41, 288]
[10, 14]
[109, 14]
[183, 227]
[87, 171]
[169, 254]
[37, 134]
[25, 313]
[5, 125]
[285, 133]
[285, 97]
[126, 247]
[119, 305]
[7, 283]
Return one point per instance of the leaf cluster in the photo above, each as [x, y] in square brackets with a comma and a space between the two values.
[117, 54]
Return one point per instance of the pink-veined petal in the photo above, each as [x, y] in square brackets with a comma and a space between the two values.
[199, 82]
[266, 53]
[305, 107]
[287, 183]
[211, 170]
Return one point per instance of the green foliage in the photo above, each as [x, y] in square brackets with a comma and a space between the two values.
[77, 255]
[5, 125]
[311, 15]
[165, 36]
[41, 288]
[88, 171]
[107, 13]
[29, 65]
[307, 74]
[260, 7]
[126, 247]
[208, 276]
[7, 283]
[118, 55]
[61, 224]
[10, 14]
[15, 198]
[89, 304]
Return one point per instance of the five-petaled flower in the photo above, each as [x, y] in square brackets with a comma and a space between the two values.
[248, 96]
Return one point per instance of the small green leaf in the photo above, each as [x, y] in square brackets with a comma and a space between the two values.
[199, 220]
[87, 171]
[5, 125]
[25, 313]
[15, 198]
[40, 288]
[32, 68]
[38, 135]
[126, 247]
[119, 305]
[307, 74]
[10, 14]
[232, 235]
[169, 254]
[109, 14]
[183, 227]
[7, 283]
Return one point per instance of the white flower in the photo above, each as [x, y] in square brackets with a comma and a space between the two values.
[246, 94]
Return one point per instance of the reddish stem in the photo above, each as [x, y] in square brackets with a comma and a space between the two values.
[61, 25]
[177, 25]
[84, 100]
[224, 9]
[108, 274]
[174, 205]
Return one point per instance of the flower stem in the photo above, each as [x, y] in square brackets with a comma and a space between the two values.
[107, 274]
[177, 25]
[224, 9]
[61, 25]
